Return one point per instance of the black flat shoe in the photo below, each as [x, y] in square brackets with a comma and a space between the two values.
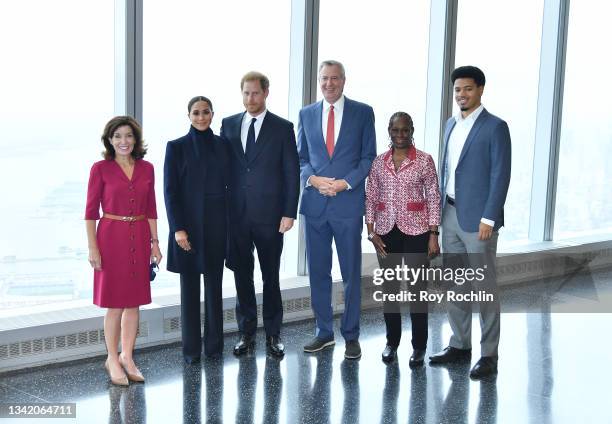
[245, 343]
[417, 358]
[485, 367]
[389, 354]
[274, 346]
[451, 354]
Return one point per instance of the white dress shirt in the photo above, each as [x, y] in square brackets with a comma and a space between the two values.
[246, 123]
[456, 141]
[338, 111]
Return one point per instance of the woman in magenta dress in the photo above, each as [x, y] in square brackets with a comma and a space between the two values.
[125, 241]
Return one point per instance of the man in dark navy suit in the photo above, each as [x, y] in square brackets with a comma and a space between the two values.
[263, 198]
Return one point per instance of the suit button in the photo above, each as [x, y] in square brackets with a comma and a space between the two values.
[248, 169]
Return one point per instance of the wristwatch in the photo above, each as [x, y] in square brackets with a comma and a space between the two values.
[436, 232]
[370, 236]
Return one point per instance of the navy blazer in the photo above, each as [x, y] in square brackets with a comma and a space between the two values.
[352, 159]
[184, 194]
[482, 175]
[266, 187]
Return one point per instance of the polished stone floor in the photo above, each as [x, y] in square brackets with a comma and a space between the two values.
[554, 367]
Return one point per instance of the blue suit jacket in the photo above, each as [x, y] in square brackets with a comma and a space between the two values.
[266, 187]
[352, 158]
[482, 175]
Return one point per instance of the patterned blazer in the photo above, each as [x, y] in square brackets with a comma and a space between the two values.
[408, 198]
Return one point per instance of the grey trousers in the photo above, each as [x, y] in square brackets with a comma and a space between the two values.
[472, 253]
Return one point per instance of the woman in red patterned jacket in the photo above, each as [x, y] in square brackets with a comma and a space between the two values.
[402, 216]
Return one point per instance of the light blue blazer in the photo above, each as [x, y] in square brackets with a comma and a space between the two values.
[482, 175]
[353, 155]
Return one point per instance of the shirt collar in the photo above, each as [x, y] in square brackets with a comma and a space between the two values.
[388, 157]
[472, 116]
[248, 116]
[338, 106]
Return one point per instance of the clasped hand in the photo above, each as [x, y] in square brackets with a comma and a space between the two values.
[328, 186]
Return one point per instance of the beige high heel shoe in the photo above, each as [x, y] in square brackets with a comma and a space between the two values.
[120, 381]
[137, 377]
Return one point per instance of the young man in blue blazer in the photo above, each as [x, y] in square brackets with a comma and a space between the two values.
[336, 146]
[475, 175]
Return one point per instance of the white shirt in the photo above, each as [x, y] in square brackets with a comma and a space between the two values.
[456, 141]
[338, 111]
[246, 123]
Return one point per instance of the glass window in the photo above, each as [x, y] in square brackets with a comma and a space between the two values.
[487, 37]
[57, 85]
[583, 204]
[384, 52]
[204, 48]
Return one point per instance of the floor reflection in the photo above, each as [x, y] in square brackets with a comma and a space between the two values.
[539, 379]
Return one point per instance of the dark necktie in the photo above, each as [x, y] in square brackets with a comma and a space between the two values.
[250, 143]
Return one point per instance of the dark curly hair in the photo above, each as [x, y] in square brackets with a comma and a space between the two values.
[140, 149]
[469, 72]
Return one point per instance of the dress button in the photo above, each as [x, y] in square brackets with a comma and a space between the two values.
[130, 212]
[134, 262]
[133, 249]
[132, 200]
[132, 236]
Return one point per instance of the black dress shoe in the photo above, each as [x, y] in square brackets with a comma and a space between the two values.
[389, 354]
[485, 366]
[244, 344]
[451, 354]
[274, 346]
[417, 358]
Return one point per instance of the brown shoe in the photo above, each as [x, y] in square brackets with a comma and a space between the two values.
[119, 381]
[136, 377]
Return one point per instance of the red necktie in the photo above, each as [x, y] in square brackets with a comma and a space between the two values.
[329, 139]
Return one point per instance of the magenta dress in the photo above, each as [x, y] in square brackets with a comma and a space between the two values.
[125, 247]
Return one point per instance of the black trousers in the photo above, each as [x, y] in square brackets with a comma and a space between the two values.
[214, 256]
[413, 251]
[245, 237]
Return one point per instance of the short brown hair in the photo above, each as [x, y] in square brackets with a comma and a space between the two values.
[119, 121]
[256, 76]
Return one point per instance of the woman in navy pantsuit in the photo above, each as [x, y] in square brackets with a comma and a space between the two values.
[195, 194]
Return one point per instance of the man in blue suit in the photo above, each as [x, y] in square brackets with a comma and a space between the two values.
[336, 146]
[475, 175]
[264, 188]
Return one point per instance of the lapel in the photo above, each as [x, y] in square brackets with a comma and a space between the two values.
[318, 128]
[261, 137]
[235, 141]
[388, 161]
[473, 132]
[346, 117]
